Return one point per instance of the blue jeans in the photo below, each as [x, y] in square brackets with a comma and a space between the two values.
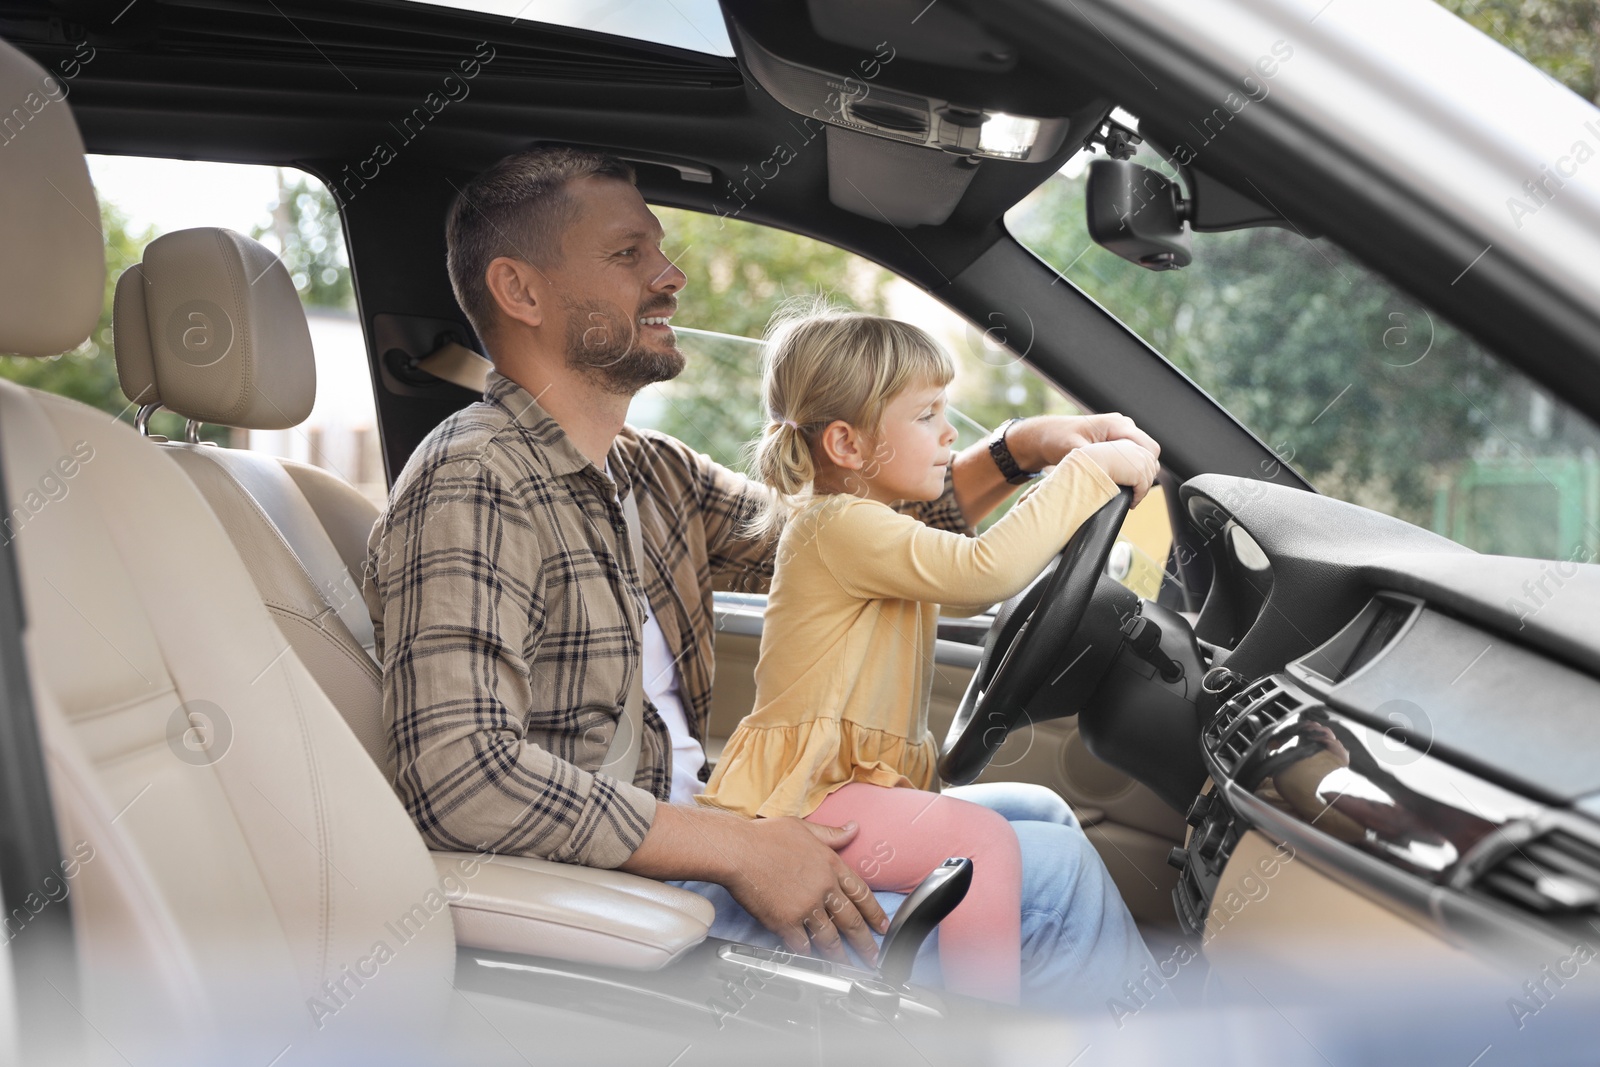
[1079, 944]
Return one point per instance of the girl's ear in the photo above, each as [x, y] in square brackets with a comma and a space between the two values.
[842, 445]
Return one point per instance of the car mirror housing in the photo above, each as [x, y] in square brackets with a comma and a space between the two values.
[1139, 214]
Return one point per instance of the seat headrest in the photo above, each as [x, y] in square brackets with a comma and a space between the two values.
[53, 272]
[209, 326]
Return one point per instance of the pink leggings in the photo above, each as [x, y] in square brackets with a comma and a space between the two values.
[905, 834]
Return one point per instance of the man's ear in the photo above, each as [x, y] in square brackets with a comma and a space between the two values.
[842, 445]
[512, 283]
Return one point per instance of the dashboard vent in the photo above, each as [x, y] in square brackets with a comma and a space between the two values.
[1245, 718]
[1555, 876]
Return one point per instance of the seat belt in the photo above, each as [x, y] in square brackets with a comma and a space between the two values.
[622, 758]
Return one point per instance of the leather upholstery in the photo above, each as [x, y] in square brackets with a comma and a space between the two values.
[248, 883]
[310, 583]
[216, 888]
[54, 267]
[520, 904]
[347, 517]
[259, 874]
[301, 579]
[220, 334]
[136, 362]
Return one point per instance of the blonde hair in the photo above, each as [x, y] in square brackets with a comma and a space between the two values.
[820, 364]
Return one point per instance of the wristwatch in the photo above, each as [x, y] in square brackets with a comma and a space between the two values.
[1004, 459]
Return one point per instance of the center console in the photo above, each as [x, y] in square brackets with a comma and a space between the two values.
[1338, 758]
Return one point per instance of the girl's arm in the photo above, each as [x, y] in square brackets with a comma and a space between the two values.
[875, 553]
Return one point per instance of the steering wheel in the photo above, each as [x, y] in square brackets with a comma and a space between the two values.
[1029, 632]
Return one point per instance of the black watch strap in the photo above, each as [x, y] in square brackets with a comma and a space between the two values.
[1004, 459]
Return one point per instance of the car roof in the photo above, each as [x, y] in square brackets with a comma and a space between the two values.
[302, 84]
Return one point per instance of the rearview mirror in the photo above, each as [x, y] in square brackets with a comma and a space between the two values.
[1139, 214]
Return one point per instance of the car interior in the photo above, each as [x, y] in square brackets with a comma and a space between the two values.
[1290, 689]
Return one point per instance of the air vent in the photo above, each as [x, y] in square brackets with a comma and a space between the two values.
[1244, 719]
[1555, 876]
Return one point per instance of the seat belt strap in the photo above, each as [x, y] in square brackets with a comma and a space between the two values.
[622, 758]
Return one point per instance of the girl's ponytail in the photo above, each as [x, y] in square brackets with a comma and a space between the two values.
[782, 460]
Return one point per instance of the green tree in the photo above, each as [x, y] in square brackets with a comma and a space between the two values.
[1560, 37]
[739, 273]
[1363, 390]
[310, 240]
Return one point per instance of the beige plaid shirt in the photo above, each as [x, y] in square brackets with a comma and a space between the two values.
[506, 605]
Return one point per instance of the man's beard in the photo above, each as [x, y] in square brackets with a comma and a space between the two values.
[611, 351]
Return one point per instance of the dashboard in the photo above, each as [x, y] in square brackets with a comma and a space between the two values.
[1419, 722]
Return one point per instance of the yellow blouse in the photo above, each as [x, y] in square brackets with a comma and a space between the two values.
[846, 665]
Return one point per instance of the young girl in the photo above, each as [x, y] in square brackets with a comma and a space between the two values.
[839, 729]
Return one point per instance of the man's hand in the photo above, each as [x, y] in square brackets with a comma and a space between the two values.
[786, 872]
[793, 881]
[1035, 443]
[1043, 440]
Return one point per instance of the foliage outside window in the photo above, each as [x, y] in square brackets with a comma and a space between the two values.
[740, 272]
[1373, 397]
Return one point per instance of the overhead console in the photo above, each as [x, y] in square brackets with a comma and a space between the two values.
[913, 98]
[1434, 767]
[851, 100]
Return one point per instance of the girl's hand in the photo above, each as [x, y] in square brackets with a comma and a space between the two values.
[1125, 463]
[1042, 440]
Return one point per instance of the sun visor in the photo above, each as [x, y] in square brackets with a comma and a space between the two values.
[901, 184]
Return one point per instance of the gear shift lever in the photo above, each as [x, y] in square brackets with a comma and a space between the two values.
[881, 997]
[935, 897]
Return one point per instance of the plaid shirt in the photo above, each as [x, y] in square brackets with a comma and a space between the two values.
[508, 622]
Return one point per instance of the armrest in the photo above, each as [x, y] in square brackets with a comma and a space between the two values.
[565, 912]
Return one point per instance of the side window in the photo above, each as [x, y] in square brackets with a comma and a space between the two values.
[291, 213]
[739, 272]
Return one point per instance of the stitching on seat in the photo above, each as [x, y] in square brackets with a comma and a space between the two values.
[247, 351]
[137, 750]
[254, 505]
[111, 709]
[370, 669]
[261, 515]
[51, 407]
[319, 808]
[459, 905]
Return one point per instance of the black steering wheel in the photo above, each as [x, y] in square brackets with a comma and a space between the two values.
[1029, 631]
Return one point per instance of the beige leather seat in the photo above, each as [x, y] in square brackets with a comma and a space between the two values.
[239, 354]
[267, 380]
[238, 856]
[240, 872]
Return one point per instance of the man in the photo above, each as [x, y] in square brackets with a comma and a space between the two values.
[510, 621]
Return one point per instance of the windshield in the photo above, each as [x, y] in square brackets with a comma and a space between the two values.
[1371, 396]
